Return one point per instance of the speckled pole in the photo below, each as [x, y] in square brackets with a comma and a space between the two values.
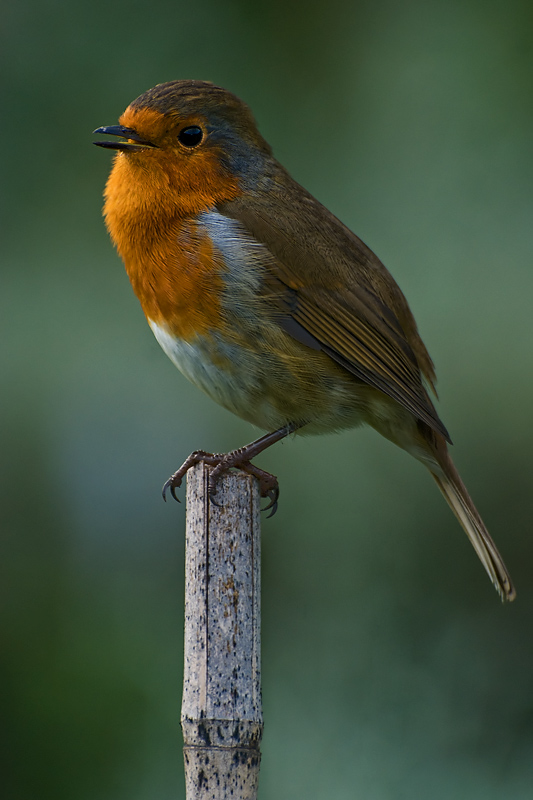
[221, 715]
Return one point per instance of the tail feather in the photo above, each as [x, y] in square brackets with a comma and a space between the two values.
[456, 494]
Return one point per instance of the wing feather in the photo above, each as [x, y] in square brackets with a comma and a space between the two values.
[332, 289]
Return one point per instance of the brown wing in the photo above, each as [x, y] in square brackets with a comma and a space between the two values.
[331, 287]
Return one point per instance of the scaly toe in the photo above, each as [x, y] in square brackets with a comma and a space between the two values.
[223, 462]
[175, 480]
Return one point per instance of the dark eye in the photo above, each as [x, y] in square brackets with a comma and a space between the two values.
[190, 137]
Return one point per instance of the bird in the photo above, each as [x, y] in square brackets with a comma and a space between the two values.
[263, 298]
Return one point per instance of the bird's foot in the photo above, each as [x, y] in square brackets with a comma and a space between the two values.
[222, 462]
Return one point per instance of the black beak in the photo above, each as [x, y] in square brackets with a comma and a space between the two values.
[135, 142]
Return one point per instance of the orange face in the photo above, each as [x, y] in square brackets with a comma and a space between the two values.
[167, 174]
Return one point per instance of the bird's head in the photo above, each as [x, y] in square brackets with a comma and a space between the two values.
[202, 137]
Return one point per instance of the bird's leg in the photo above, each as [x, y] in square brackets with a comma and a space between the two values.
[238, 459]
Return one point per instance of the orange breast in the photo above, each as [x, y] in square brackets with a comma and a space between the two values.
[174, 269]
[179, 282]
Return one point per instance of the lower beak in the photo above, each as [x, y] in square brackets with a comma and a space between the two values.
[135, 142]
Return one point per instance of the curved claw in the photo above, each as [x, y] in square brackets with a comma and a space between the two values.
[274, 509]
[273, 495]
[170, 485]
[173, 493]
[212, 500]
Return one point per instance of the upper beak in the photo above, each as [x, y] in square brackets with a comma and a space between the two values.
[135, 143]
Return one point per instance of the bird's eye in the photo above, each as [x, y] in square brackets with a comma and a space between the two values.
[191, 136]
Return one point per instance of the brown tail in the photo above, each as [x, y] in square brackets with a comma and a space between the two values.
[454, 490]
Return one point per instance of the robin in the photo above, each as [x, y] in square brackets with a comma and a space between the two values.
[264, 299]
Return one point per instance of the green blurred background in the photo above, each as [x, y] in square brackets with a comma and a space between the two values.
[390, 669]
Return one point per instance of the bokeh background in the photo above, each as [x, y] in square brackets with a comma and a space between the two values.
[390, 669]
